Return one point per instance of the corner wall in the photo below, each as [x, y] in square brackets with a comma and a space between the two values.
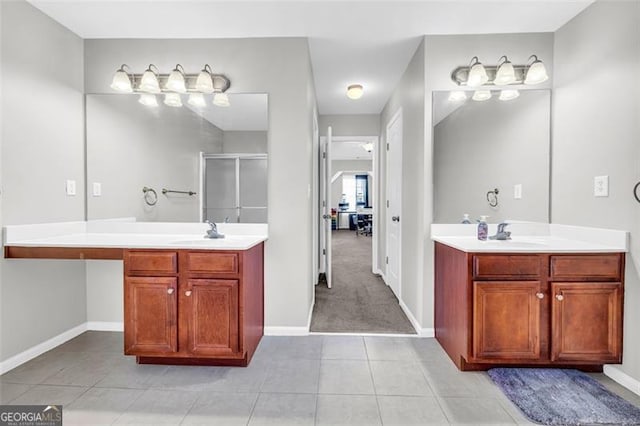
[596, 131]
[42, 146]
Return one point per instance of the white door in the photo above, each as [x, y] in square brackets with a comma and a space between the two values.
[394, 202]
[326, 205]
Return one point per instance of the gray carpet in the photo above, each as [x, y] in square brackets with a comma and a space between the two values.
[359, 301]
[563, 397]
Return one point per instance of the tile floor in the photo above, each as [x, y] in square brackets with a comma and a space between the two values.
[313, 380]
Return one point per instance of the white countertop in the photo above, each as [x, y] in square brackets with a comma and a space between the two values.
[132, 235]
[534, 238]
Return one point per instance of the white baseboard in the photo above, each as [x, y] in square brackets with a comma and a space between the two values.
[105, 326]
[39, 349]
[422, 332]
[286, 331]
[622, 378]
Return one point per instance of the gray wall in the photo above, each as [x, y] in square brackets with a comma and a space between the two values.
[42, 146]
[350, 125]
[410, 96]
[130, 146]
[244, 142]
[596, 131]
[281, 68]
[493, 144]
[442, 55]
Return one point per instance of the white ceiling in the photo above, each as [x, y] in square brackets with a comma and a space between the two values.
[363, 41]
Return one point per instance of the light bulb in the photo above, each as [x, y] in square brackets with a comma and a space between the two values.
[508, 94]
[221, 99]
[355, 91]
[481, 95]
[197, 100]
[121, 81]
[149, 81]
[172, 100]
[204, 82]
[148, 99]
[457, 96]
[536, 72]
[505, 74]
[477, 74]
[175, 82]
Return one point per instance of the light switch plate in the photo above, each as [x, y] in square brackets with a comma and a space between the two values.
[97, 189]
[601, 186]
[70, 187]
[517, 191]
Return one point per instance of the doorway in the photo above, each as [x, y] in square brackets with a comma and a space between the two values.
[353, 298]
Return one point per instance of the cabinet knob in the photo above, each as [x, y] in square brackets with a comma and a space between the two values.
[170, 291]
[187, 293]
[559, 297]
[540, 295]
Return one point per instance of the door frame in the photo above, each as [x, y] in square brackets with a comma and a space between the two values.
[373, 193]
[397, 115]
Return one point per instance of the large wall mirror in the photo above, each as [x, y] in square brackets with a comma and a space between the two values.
[177, 164]
[492, 157]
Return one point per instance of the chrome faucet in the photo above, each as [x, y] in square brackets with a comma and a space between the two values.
[212, 232]
[501, 234]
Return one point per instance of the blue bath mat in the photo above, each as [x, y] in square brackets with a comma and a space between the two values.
[563, 397]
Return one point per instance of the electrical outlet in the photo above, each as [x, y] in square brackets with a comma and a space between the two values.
[517, 191]
[601, 186]
[70, 187]
[97, 189]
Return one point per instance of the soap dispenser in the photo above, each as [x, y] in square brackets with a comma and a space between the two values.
[465, 219]
[483, 228]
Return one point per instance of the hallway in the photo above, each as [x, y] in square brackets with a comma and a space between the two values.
[359, 301]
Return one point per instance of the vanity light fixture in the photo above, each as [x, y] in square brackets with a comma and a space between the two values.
[355, 91]
[505, 73]
[149, 81]
[197, 100]
[172, 100]
[175, 82]
[481, 95]
[508, 94]
[457, 96]
[172, 85]
[122, 81]
[477, 73]
[536, 71]
[148, 99]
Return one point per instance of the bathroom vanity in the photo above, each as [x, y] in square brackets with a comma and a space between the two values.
[187, 299]
[536, 301]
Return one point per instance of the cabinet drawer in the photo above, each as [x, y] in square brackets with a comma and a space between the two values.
[599, 267]
[150, 262]
[506, 266]
[207, 262]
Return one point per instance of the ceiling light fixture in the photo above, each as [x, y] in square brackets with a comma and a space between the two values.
[122, 81]
[505, 74]
[172, 85]
[175, 82]
[355, 91]
[367, 146]
[457, 96]
[149, 81]
[508, 94]
[481, 95]
[477, 73]
[536, 71]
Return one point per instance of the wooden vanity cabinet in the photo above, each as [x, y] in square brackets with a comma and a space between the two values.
[193, 306]
[529, 309]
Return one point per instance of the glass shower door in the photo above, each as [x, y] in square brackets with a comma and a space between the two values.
[221, 185]
[253, 190]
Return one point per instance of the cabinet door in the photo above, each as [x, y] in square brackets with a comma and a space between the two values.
[586, 322]
[506, 320]
[150, 319]
[212, 311]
